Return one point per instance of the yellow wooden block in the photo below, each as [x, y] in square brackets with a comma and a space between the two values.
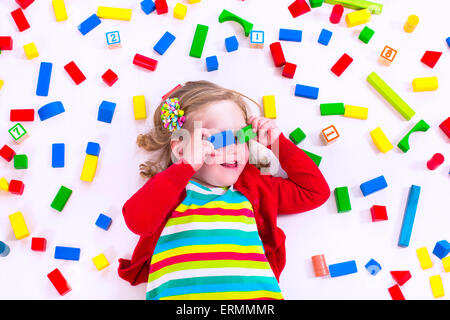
[436, 286]
[100, 261]
[114, 13]
[380, 140]
[31, 51]
[425, 84]
[194, 1]
[270, 110]
[179, 11]
[446, 263]
[60, 10]
[1, 83]
[411, 23]
[19, 226]
[357, 17]
[424, 258]
[89, 168]
[139, 107]
[356, 112]
[4, 184]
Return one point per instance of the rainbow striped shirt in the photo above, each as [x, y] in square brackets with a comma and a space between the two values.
[210, 249]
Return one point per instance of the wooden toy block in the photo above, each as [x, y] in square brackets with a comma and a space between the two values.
[320, 265]
[424, 258]
[420, 126]
[103, 221]
[106, 111]
[20, 161]
[373, 185]
[379, 213]
[425, 84]
[139, 108]
[430, 58]
[16, 115]
[325, 37]
[4, 249]
[194, 1]
[373, 7]
[93, 148]
[50, 110]
[289, 70]
[314, 157]
[366, 34]
[114, 13]
[164, 43]
[356, 18]
[411, 23]
[409, 216]
[257, 39]
[148, 6]
[4, 184]
[89, 24]
[145, 62]
[16, 187]
[277, 54]
[20, 19]
[59, 282]
[60, 10]
[31, 51]
[89, 168]
[198, 42]
[75, 72]
[6, 43]
[380, 140]
[441, 249]
[446, 263]
[212, 64]
[336, 13]
[45, 73]
[1, 83]
[228, 16]
[245, 134]
[329, 134]
[401, 276]
[394, 99]
[373, 267]
[387, 55]
[58, 150]
[110, 77]
[231, 43]
[297, 136]
[315, 3]
[445, 127]
[342, 199]
[222, 139]
[356, 112]
[342, 269]
[298, 7]
[100, 262]
[24, 3]
[67, 253]
[396, 293]
[61, 198]
[113, 40]
[270, 110]
[161, 7]
[179, 11]
[290, 35]
[18, 133]
[306, 91]
[7, 153]
[448, 41]
[38, 244]
[435, 161]
[18, 225]
[327, 109]
[436, 285]
[342, 64]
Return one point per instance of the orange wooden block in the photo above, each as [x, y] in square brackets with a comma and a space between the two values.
[329, 134]
[387, 55]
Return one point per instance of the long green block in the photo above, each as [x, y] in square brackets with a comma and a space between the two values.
[342, 199]
[394, 99]
[199, 41]
[228, 16]
[420, 126]
[314, 157]
[328, 109]
[245, 134]
[61, 198]
[373, 7]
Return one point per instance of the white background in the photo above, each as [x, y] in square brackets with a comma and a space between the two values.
[348, 162]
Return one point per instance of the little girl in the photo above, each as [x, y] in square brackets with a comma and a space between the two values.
[207, 218]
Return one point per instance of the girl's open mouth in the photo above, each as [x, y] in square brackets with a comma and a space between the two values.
[230, 165]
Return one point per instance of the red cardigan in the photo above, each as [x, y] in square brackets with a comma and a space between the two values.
[148, 210]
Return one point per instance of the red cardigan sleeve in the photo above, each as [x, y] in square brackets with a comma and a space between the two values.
[305, 188]
[147, 209]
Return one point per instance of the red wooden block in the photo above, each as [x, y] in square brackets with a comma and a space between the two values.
[7, 153]
[59, 282]
[342, 64]
[20, 20]
[38, 244]
[145, 62]
[277, 54]
[401, 276]
[161, 6]
[298, 7]
[336, 13]
[435, 161]
[6, 43]
[445, 126]
[110, 77]
[17, 115]
[75, 72]
[379, 213]
[430, 58]
[16, 187]
[24, 3]
[289, 70]
[396, 293]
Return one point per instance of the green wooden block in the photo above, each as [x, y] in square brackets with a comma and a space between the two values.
[373, 7]
[199, 41]
[61, 198]
[245, 134]
[315, 3]
[297, 136]
[17, 131]
[420, 126]
[327, 109]
[314, 157]
[21, 161]
[366, 34]
[229, 16]
[342, 199]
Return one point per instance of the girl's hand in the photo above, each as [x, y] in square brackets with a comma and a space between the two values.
[196, 149]
[268, 131]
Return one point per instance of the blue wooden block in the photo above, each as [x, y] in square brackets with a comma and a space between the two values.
[164, 43]
[448, 42]
[43, 84]
[148, 6]
[4, 249]
[93, 148]
[50, 110]
[408, 217]
[58, 155]
[306, 91]
[212, 63]
[290, 35]
[441, 249]
[89, 24]
[222, 139]
[343, 268]
[373, 267]
[103, 221]
[67, 253]
[231, 43]
[106, 111]
[112, 37]
[325, 36]
[373, 185]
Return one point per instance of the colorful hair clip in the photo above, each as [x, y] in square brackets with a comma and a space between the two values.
[172, 116]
